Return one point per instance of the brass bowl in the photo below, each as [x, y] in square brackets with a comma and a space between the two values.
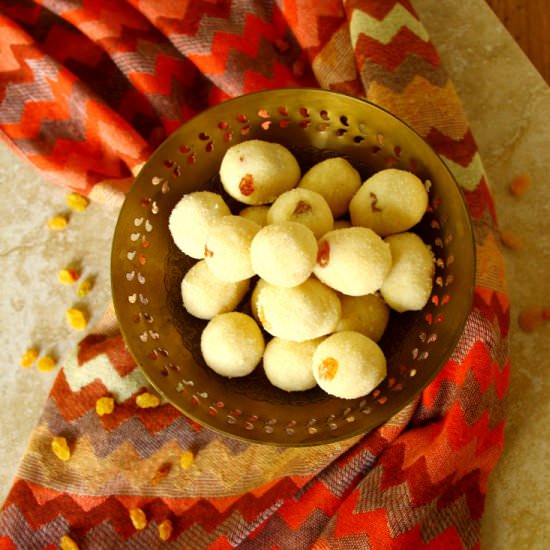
[147, 268]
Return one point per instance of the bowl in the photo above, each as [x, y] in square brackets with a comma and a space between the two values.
[147, 268]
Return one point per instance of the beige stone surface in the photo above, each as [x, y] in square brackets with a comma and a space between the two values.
[508, 105]
[32, 301]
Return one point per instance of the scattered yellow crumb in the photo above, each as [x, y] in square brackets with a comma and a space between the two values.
[511, 240]
[147, 400]
[520, 185]
[139, 520]
[60, 448]
[45, 364]
[165, 529]
[104, 405]
[76, 318]
[77, 202]
[29, 357]
[84, 287]
[68, 276]
[186, 460]
[57, 223]
[67, 543]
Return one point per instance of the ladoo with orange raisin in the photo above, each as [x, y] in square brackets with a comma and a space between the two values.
[303, 206]
[348, 365]
[257, 171]
[353, 260]
[390, 201]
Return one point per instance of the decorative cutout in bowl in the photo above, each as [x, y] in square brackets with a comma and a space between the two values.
[147, 268]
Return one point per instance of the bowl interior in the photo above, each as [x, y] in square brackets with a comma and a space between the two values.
[147, 268]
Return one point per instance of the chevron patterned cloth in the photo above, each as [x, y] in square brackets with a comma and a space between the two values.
[88, 88]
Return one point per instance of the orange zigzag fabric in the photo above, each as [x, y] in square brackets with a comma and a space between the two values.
[135, 70]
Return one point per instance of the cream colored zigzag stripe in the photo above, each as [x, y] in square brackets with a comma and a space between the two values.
[216, 471]
[468, 177]
[100, 367]
[383, 31]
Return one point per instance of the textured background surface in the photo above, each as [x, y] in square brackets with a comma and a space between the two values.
[508, 120]
[508, 105]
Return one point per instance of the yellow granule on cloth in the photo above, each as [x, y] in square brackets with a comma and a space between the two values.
[147, 401]
[60, 448]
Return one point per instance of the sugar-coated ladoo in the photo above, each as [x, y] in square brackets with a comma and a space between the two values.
[284, 254]
[227, 247]
[289, 365]
[257, 172]
[232, 344]
[390, 201]
[257, 214]
[367, 314]
[353, 260]
[205, 295]
[409, 283]
[348, 365]
[336, 180]
[191, 217]
[298, 313]
[303, 206]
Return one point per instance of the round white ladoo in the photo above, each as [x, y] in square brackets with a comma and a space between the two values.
[232, 344]
[257, 171]
[298, 313]
[367, 314]
[353, 260]
[409, 283]
[284, 254]
[227, 247]
[190, 219]
[302, 206]
[348, 365]
[289, 365]
[204, 295]
[257, 214]
[336, 180]
[390, 201]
